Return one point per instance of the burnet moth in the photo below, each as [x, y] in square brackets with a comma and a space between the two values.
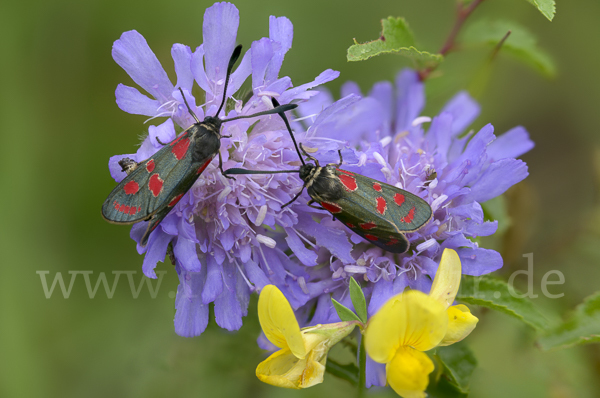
[154, 186]
[379, 212]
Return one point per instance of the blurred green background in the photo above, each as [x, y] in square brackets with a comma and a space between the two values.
[60, 124]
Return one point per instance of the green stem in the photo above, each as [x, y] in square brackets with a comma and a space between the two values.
[362, 368]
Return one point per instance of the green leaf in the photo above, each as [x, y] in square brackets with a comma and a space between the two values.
[396, 37]
[498, 295]
[583, 326]
[459, 364]
[358, 300]
[521, 44]
[546, 7]
[442, 388]
[347, 372]
[344, 312]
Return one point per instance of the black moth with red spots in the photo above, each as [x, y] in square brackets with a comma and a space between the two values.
[152, 187]
[379, 212]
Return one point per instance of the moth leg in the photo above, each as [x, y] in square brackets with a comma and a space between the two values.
[341, 160]
[310, 204]
[226, 136]
[221, 167]
[160, 142]
[294, 199]
[308, 156]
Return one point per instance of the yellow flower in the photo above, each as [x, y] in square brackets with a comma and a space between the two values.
[413, 322]
[300, 363]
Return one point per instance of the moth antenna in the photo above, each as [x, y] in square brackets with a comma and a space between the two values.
[234, 57]
[236, 170]
[282, 108]
[287, 124]
[188, 107]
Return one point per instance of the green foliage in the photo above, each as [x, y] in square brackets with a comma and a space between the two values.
[345, 313]
[498, 295]
[546, 7]
[396, 37]
[496, 210]
[348, 372]
[459, 364]
[582, 327]
[521, 44]
[358, 300]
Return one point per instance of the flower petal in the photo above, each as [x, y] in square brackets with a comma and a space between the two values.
[447, 279]
[408, 372]
[191, 316]
[278, 321]
[134, 55]
[284, 369]
[511, 144]
[130, 100]
[281, 30]
[408, 319]
[464, 110]
[500, 176]
[460, 324]
[182, 56]
[219, 30]
[410, 100]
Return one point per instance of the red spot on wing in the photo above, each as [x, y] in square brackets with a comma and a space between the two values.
[181, 148]
[410, 216]
[175, 200]
[133, 210]
[399, 199]
[122, 209]
[349, 182]
[350, 225]
[377, 187]
[345, 172]
[150, 165]
[116, 205]
[368, 225]
[204, 166]
[155, 184]
[331, 207]
[131, 188]
[392, 241]
[371, 237]
[381, 205]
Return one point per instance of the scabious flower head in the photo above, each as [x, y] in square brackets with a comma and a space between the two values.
[413, 322]
[453, 170]
[221, 231]
[300, 362]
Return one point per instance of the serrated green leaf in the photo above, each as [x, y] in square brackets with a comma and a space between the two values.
[358, 300]
[546, 7]
[344, 312]
[583, 327]
[521, 44]
[348, 372]
[397, 38]
[495, 294]
[459, 364]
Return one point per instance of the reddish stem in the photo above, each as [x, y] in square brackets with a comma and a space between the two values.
[461, 15]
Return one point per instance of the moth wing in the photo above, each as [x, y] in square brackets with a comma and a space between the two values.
[151, 185]
[379, 212]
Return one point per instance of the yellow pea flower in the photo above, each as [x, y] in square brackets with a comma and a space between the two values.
[300, 363]
[413, 322]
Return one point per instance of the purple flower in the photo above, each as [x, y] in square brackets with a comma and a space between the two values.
[221, 231]
[452, 170]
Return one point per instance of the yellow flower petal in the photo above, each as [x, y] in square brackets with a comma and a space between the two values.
[447, 278]
[278, 321]
[460, 324]
[284, 369]
[408, 372]
[409, 319]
